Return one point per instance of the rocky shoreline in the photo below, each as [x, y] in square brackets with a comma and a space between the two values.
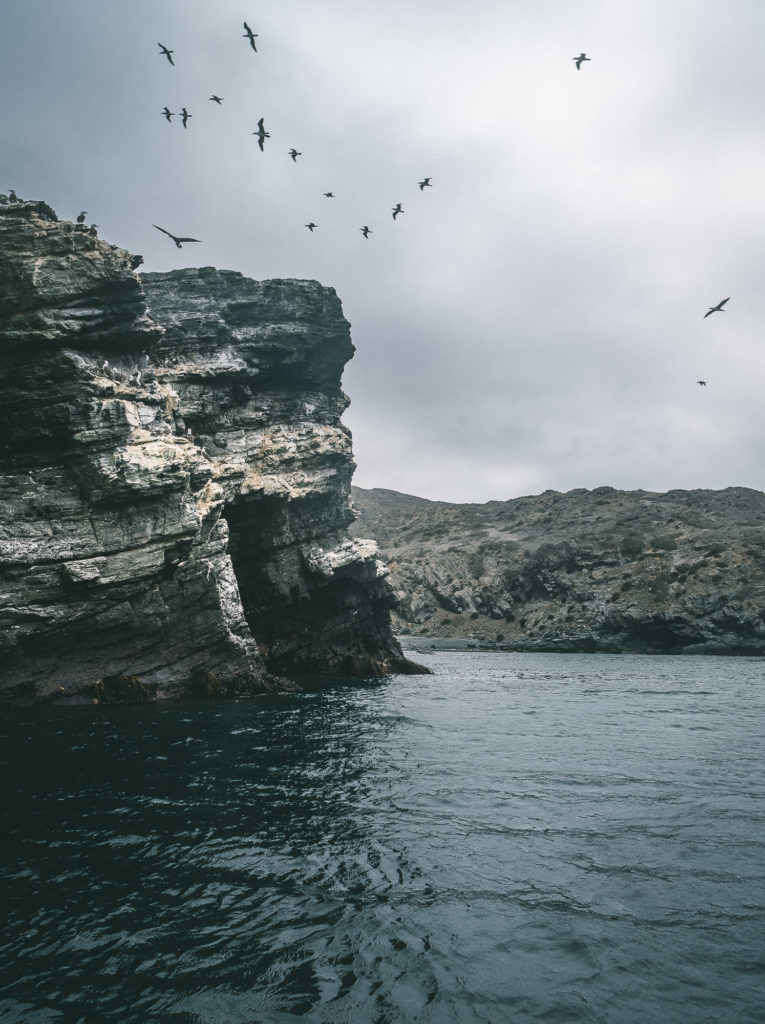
[583, 571]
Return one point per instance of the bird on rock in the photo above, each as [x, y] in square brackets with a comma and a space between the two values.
[366, 231]
[252, 36]
[397, 209]
[175, 238]
[716, 309]
[167, 114]
[81, 217]
[579, 60]
[425, 183]
[167, 53]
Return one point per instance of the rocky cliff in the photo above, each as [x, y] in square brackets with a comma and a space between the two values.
[600, 570]
[174, 478]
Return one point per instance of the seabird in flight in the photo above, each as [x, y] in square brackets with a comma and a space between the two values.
[330, 195]
[703, 383]
[175, 238]
[167, 113]
[366, 231]
[185, 115]
[425, 183]
[216, 99]
[716, 309]
[294, 154]
[311, 226]
[167, 53]
[397, 209]
[579, 60]
[252, 36]
[262, 134]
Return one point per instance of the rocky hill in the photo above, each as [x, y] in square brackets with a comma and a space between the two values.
[174, 478]
[599, 570]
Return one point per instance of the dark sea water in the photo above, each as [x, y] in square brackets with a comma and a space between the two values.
[515, 838]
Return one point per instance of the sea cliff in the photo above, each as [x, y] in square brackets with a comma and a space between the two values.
[174, 479]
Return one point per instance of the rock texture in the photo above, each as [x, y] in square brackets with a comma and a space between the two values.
[173, 479]
[600, 570]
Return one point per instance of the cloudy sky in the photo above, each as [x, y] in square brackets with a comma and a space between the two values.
[535, 319]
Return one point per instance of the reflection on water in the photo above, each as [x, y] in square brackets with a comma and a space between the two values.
[518, 837]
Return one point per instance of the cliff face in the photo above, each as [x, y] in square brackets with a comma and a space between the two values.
[173, 481]
[601, 570]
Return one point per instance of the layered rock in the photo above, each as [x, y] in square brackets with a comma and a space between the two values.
[173, 482]
[600, 570]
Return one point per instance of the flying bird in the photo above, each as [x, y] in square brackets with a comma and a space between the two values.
[167, 53]
[252, 36]
[703, 383]
[185, 115]
[579, 59]
[294, 154]
[366, 231]
[716, 309]
[216, 99]
[167, 113]
[262, 134]
[397, 209]
[81, 217]
[311, 226]
[329, 195]
[425, 183]
[175, 238]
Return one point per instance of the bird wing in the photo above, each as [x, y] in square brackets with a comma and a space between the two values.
[162, 230]
[260, 143]
[721, 304]
[186, 239]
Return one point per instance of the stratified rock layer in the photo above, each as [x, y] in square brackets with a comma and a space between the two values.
[600, 570]
[173, 482]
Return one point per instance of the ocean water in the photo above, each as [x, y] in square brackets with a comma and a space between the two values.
[554, 838]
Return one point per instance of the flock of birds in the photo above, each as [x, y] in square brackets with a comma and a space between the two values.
[262, 135]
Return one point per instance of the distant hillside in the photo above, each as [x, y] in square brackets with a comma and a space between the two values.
[600, 570]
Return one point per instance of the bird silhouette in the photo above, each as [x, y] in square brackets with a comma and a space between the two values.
[703, 383]
[262, 134]
[93, 229]
[12, 196]
[175, 238]
[167, 52]
[425, 183]
[81, 217]
[366, 231]
[294, 154]
[167, 113]
[579, 61]
[216, 99]
[397, 209]
[252, 36]
[185, 115]
[716, 309]
[311, 226]
[329, 195]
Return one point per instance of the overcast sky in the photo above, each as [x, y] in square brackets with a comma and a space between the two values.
[535, 319]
